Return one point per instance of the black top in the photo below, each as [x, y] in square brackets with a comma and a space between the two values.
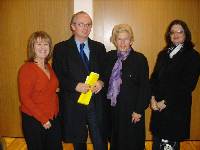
[134, 96]
[174, 80]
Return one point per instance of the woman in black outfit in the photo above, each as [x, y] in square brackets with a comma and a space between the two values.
[174, 78]
[128, 91]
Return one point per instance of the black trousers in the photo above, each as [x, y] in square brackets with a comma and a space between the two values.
[95, 134]
[162, 144]
[39, 138]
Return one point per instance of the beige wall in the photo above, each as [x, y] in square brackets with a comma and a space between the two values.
[149, 20]
[19, 18]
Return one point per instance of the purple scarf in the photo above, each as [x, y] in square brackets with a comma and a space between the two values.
[115, 78]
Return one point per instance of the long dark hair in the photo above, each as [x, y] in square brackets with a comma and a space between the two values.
[188, 37]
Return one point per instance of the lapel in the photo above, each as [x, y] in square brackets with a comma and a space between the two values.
[129, 58]
[93, 55]
[75, 55]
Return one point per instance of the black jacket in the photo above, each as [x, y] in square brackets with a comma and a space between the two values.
[70, 70]
[174, 80]
[133, 97]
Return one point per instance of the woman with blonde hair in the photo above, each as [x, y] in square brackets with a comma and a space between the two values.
[127, 91]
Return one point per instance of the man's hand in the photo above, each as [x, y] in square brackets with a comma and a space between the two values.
[82, 87]
[97, 86]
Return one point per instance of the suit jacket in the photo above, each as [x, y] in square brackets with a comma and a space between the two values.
[174, 80]
[70, 70]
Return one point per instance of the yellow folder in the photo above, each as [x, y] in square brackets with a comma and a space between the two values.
[90, 80]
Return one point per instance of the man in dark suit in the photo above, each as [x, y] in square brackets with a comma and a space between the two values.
[73, 60]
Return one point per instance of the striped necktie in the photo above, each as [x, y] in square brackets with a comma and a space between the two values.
[84, 57]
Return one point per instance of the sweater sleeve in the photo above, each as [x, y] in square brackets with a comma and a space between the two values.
[26, 82]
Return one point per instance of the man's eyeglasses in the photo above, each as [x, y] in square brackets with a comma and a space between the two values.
[176, 32]
[82, 25]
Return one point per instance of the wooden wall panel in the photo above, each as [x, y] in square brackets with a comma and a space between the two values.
[19, 18]
[149, 20]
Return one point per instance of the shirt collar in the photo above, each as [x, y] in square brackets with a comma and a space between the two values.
[78, 43]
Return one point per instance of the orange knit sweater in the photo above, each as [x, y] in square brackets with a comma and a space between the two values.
[37, 92]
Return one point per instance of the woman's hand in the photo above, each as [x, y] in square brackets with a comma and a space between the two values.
[136, 117]
[153, 104]
[157, 105]
[47, 125]
[58, 90]
[161, 105]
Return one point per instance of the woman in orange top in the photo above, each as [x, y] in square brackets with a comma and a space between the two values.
[39, 101]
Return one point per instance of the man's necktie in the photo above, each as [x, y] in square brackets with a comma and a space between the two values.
[83, 55]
